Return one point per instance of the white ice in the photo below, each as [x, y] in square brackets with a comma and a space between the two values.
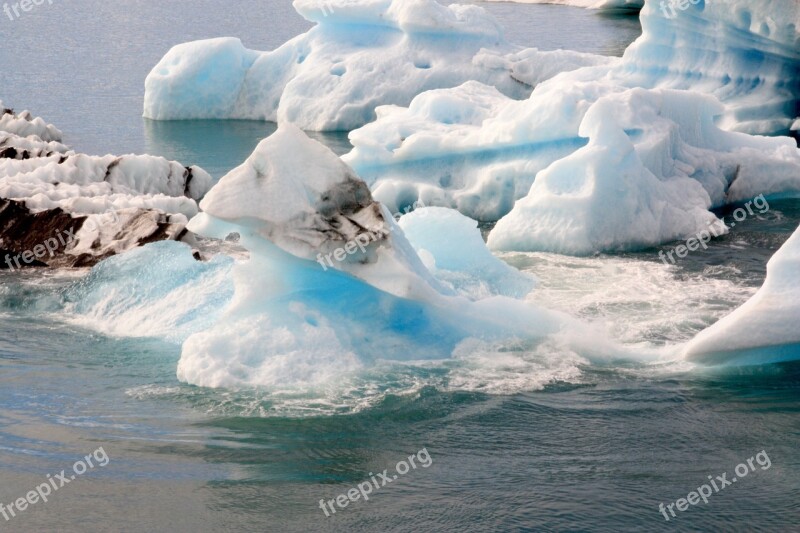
[453, 250]
[125, 198]
[620, 159]
[295, 319]
[361, 54]
[764, 329]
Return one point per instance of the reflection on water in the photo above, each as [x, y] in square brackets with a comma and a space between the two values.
[218, 145]
[552, 27]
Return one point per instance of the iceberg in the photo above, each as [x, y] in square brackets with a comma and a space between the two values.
[296, 318]
[744, 53]
[82, 208]
[295, 193]
[764, 329]
[468, 148]
[360, 55]
[659, 141]
[646, 177]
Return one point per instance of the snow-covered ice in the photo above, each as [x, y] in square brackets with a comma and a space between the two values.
[24, 124]
[113, 203]
[293, 319]
[621, 159]
[361, 54]
[763, 330]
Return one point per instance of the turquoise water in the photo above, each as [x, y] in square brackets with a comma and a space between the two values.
[521, 440]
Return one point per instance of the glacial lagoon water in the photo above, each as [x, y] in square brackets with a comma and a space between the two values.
[522, 439]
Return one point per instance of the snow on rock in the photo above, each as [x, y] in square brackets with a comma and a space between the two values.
[360, 55]
[85, 208]
[764, 329]
[297, 319]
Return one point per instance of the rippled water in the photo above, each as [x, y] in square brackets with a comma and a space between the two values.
[523, 438]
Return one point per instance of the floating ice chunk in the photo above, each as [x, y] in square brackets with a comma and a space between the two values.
[294, 192]
[764, 329]
[105, 205]
[469, 148]
[484, 158]
[296, 319]
[458, 255]
[334, 76]
[654, 166]
[743, 52]
[198, 80]
[292, 323]
[25, 124]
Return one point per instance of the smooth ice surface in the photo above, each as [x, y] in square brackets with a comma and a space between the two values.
[361, 54]
[452, 248]
[763, 330]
